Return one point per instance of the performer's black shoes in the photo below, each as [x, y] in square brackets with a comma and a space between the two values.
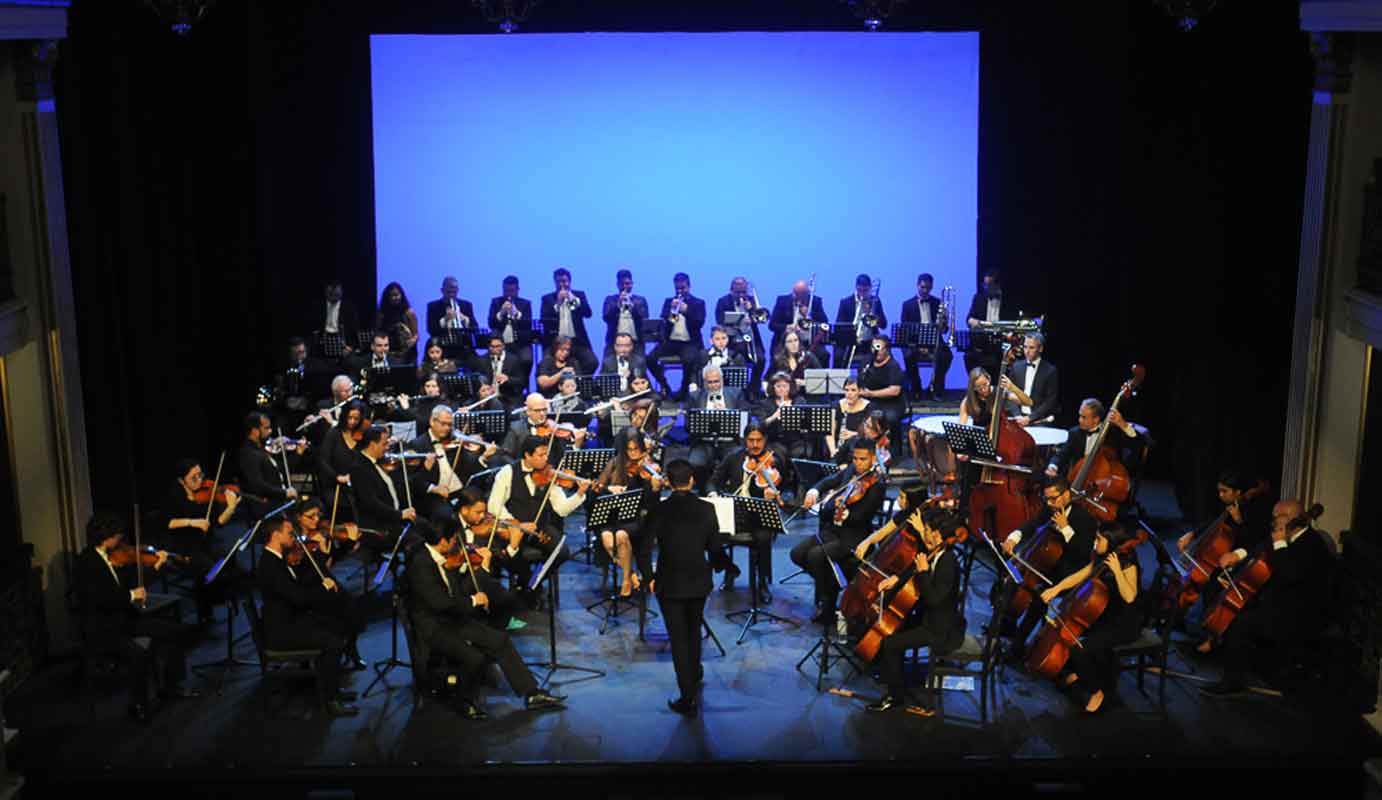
[541, 699]
[684, 706]
[884, 704]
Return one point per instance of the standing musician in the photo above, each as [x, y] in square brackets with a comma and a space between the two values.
[713, 395]
[448, 312]
[434, 361]
[340, 447]
[262, 477]
[1288, 607]
[1080, 442]
[686, 535]
[926, 310]
[1075, 526]
[989, 305]
[849, 415]
[446, 610]
[852, 315]
[437, 481]
[1039, 382]
[758, 469]
[1092, 669]
[793, 358]
[112, 625]
[745, 339]
[844, 522]
[191, 525]
[500, 368]
[336, 609]
[624, 360]
[516, 495]
[791, 311]
[624, 312]
[496, 551]
[880, 380]
[339, 317]
[782, 393]
[380, 498]
[936, 621]
[683, 316]
[564, 313]
[631, 469]
[291, 618]
[512, 317]
[535, 422]
[397, 318]
[555, 365]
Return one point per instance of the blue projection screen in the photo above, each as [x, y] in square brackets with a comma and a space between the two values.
[767, 155]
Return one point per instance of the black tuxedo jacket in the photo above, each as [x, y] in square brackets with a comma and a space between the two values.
[432, 606]
[347, 322]
[938, 609]
[859, 522]
[730, 471]
[519, 430]
[610, 313]
[911, 312]
[261, 474]
[734, 398]
[522, 327]
[687, 536]
[107, 615]
[1045, 389]
[288, 601]
[845, 315]
[436, 312]
[1077, 550]
[638, 365]
[372, 499]
[551, 318]
[1294, 596]
[515, 387]
[736, 339]
[978, 307]
[695, 320]
[1073, 449]
[467, 464]
[784, 313]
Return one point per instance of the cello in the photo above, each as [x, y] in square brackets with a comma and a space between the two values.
[1006, 494]
[1247, 579]
[1103, 471]
[1198, 561]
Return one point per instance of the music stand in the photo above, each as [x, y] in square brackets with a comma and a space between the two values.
[806, 419]
[826, 643]
[491, 424]
[551, 664]
[809, 473]
[826, 381]
[391, 562]
[716, 425]
[604, 385]
[608, 512]
[973, 441]
[588, 464]
[331, 345]
[456, 342]
[908, 335]
[754, 514]
[457, 386]
[365, 339]
[735, 377]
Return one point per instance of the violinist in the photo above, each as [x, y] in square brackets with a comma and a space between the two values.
[191, 524]
[925, 309]
[1080, 443]
[935, 621]
[535, 422]
[438, 479]
[434, 361]
[564, 313]
[849, 415]
[1091, 671]
[111, 623]
[791, 312]
[446, 608]
[630, 470]
[683, 316]
[336, 608]
[624, 313]
[793, 358]
[782, 393]
[262, 476]
[1289, 607]
[449, 312]
[624, 360]
[340, 448]
[512, 316]
[380, 498]
[854, 495]
[758, 469]
[555, 366]
[743, 339]
[520, 491]
[503, 372]
[1075, 526]
[880, 380]
[1039, 381]
[292, 620]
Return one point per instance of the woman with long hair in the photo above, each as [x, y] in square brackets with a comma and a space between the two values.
[793, 359]
[623, 474]
[977, 407]
[397, 318]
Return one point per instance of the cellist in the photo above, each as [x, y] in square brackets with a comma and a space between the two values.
[1091, 671]
[1080, 442]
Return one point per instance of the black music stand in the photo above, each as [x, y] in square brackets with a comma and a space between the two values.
[754, 514]
[973, 441]
[390, 566]
[909, 335]
[491, 424]
[587, 387]
[331, 345]
[823, 647]
[806, 419]
[735, 377]
[588, 464]
[609, 511]
[458, 386]
[457, 343]
[605, 385]
[364, 340]
[716, 425]
[551, 664]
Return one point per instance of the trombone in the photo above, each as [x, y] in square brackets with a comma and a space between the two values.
[870, 317]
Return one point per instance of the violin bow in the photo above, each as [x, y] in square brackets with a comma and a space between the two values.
[302, 542]
[214, 484]
[331, 526]
[138, 556]
[407, 488]
[283, 452]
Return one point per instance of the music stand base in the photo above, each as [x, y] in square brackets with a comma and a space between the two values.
[825, 645]
[382, 668]
[552, 665]
[230, 662]
[754, 614]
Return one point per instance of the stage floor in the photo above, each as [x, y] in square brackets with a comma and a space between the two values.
[757, 707]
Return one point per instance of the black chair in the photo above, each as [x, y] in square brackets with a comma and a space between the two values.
[278, 666]
[431, 670]
[1152, 647]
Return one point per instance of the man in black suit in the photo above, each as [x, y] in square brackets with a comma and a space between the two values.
[687, 537]
[1076, 527]
[512, 317]
[732, 478]
[449, 312]
[721, 353]
[338, 317]
[498, 364]
[290, 620]
[112, 625]
[926, 310]
[787, 313]
[1080, 441]
[990, 304]
[564, 312]
[681, 337]
[713, 394]
[1039, 381]
[535, 415]
[434, 480]
[624, 360]
[744, 337]
[1289, 606]
[262, 479]
[850, 319]
[445, 609]
[380, 497]
[624, 312]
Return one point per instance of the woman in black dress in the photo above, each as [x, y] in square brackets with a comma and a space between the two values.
[626, 472]
[849, 414]
[397, 318]
[782, 393]
[338, 452]
[793, 359]
[190, 531]
[554, 366]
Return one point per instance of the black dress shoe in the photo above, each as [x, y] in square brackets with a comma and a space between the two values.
[336, 708]
[684, 706]
[140, 713]
[346, 696]
[541, 699]
[1222, 689]
[884, 704]
[356, 664]
[467, 708]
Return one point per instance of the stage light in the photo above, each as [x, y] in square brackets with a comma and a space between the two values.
[506, 13]
[180, 15]
[1187, 13]
[874, 12]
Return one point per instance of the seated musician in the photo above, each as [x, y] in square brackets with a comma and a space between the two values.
[625, 361]
[497, 548]
[340, 449]
[290, 383]
[438, 479]
[420, 409]
[850, 317]
[450, 311]
[642, 421]
[683, 316]
[535, 422]
[380, 496]
[719, 354]
[1037, 378]
[338, 317]
[872, 430]
[977, 407]
[262, 478]
[556, 366]
[880, 380]
[109, 602]
[782, 393]
[644, 408]
[516, 495]
[926, 310]
[1288, 607]
[504, 370]
[335, 609]
[848, 415]
[714, 395]
[191, 527]
[447, 611]
[380, 359]
[838, 539]
[398, 320]
[434, 360]
[567, 399]
[738, 474]
[1061, 517]
[631, 469]
[793, 358]
[1091, 670]
[328, 412]
[990, 304]
[935, 621]
[292, 616]
[1080, 442]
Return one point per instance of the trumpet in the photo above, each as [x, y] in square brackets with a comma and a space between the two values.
[674, 310]
[625, 300]
[870, 317]
[571, 301]
[509, 312]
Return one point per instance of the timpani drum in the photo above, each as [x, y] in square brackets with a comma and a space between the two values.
[935, 461]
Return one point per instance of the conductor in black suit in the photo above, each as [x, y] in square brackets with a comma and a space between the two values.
[990, 304]
[563, 313]
[681, 337]
[1039, 381]
[449, 312]
[289, 602]
[926, 310]
[787, 313]
[687, 537]
[511, 317]
[751, 348]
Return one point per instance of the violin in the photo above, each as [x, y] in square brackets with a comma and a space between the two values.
[1247, 580]
[644, 468]
[491, 525]
[465, 554]
[854, 492]
[561, 430]
[1201, 557]
[276, 444]
[123, 556]
[764, 469]
[548, 474]
[202, 494]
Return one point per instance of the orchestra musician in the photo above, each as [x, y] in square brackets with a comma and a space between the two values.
[1080, 442]
[380, 361]
[880, 380]
[643, 419]
[850, 316]
[421, 407]
[328, 408]
[837, 540]
[109, 603]
[532, 423]
[936, 621]
[630, 470]
[977, 407]
[1091, 672]
[500, 368]
[744, 338]
[564, 313]
[624, 360]
[380, 498]
[293, 382]
[446, 611]
[262, 479]
[339, 317]
[436, 480]
[989, 305]
[794, 359]
[516, 495]
[398, 320]
[1288, 607]
[874, 431]
[1039, 382]
[623, 313]
[790, 312]
[758, 469]
[719, 354]
[339, 448]
[557, 363]
[849, 415]
[683, 316]
[191, 526]
[434, 361]
[512, 317]
[449, 312]
[567, 399]
[291, 618]
[336, 609]
[782, 393]
[926, 310]
[713, 394]
[496, 552]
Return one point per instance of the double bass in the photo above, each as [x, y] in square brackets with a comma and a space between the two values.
[1003, 499]
[1199, 560]
[1103, 471]
[1247, 580]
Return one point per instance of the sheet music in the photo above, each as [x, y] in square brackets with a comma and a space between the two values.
[724, 513]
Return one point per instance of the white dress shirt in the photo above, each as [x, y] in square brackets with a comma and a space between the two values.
[445, 476]
[461, 320]
[565, 326]
[333, 317]
[387, 481]
[1028, 381]
[558, 500]
[626, 322]
[679, 332]
[925, 315]
[994, 309]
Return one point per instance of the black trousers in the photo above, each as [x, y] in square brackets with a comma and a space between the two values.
[810, 555]
[940, 359]
[1254, 640]
[1094, 662]
[760, 543]
[156, 650]
[684, 618]
[1001, 598]
[315, 636]
[339, 612]
[473, 642]
[533, 553]
[889, 660]
[690, 356]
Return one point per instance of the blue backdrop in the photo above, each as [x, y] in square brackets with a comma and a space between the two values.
[768, 155]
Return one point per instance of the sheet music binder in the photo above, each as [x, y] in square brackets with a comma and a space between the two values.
[916, 334]
[614, 509]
